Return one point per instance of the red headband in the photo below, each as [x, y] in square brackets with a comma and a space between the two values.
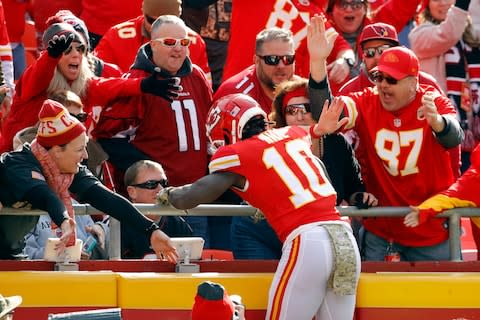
[299, 92]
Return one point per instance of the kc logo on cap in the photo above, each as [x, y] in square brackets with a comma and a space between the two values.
[398, 62]
[391, 57]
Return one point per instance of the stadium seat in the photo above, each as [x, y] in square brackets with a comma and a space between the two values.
[214, 254]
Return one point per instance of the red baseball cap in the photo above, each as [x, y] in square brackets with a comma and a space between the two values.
[379, 31]
[398, 62]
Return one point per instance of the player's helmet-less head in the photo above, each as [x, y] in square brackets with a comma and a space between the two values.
[229, 118]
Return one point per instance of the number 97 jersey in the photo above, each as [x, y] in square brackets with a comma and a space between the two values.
[283, 178]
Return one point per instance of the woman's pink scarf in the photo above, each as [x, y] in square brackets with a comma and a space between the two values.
[58, 182]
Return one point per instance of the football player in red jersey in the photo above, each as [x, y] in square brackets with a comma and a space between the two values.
[298, 201]
[406, 129]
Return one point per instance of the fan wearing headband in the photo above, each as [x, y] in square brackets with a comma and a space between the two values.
[298, 201]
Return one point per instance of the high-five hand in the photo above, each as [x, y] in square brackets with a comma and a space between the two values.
[319, 41]
[328, 122]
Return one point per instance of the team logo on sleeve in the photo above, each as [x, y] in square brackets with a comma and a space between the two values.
[37, 175]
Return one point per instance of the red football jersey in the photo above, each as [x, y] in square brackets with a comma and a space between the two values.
[283, 178]
[99, 16]
[293, 15]
[120, 45]
[5, 51]
[173, 134]
[245, 82]
[403, 162]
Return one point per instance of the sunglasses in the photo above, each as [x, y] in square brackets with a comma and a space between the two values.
[150, 20]
[293, 109]
[370, 52]
[172, 42]
[80, 48]
[273, 60]
[82, 117]
[354, 5]
[151, 184]
[379, 77]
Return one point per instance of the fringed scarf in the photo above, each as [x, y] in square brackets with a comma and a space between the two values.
[59, 182]
[463, 84]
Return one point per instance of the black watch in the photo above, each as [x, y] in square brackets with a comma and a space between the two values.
[151, 229]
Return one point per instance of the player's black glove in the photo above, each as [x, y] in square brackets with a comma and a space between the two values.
[359, 203]
[165, 88]
[59, 43]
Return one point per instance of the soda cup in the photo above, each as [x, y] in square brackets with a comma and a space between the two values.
[89, 244]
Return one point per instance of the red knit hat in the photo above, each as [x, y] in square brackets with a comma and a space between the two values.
[398, 62]
[212, 302]
[56, 126]
[379, 31]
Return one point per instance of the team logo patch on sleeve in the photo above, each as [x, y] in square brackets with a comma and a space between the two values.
[37, 175]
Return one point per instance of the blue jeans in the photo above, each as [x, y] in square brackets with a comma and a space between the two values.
[19, 60]
[200, 228]
[219, 232]
[374, 249]
[252, 240]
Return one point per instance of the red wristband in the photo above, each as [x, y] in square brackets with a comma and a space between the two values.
[313, 134]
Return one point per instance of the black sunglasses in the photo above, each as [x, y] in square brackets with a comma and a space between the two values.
[370, 52]
[293, 109]
[355, 5]
[379, 77]
[273, 60]
[82, 117]
[80, 48]
[151, 184]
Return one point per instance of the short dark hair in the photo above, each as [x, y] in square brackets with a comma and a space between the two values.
[132, 171]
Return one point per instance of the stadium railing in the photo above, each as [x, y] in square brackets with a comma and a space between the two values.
[453, 215]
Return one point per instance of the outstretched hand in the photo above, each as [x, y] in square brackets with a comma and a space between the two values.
[319, 40]
[412, 219]
[68, 230]
[328, 122]
[163, 247]
[165, 88]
